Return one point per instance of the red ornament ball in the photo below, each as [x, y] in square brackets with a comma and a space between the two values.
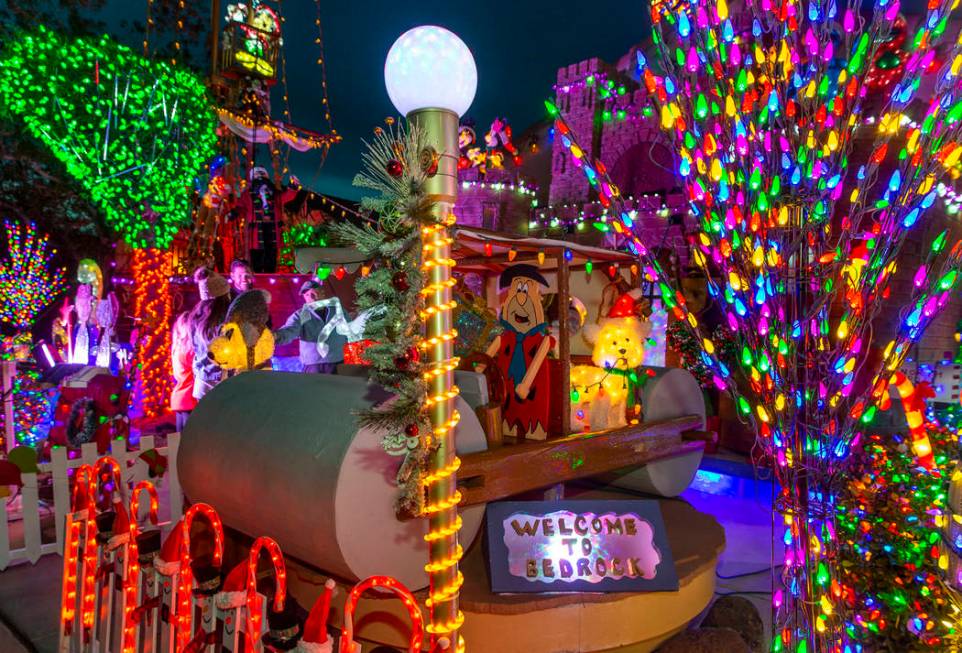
[412, 430]
[400, 282]
[394, 168]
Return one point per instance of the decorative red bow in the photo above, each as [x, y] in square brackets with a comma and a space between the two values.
[200, 641]
[104, 570]
[147, 607]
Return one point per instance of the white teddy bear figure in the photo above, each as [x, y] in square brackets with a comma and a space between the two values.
[600, 392]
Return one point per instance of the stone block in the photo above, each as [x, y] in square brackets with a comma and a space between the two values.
[706, 640]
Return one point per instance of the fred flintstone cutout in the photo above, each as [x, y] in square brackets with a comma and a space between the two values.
[520, 351]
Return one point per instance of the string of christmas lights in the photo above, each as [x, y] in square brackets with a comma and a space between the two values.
[33, 407]
[520, 187]
[893, 518]
[411, 352]
[763, 128]
[153, 312]
[131, 577]
[28, 282]
[184, 617]
[443, 496]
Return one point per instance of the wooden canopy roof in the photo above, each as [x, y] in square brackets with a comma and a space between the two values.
[489, 252]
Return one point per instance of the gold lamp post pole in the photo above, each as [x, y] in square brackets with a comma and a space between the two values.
[440, 130]
[431, 78]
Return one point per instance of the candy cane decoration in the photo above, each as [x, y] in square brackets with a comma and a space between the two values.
[348, 645]
[913, 401]
[89, 571]
[84, 489]
[184, 617]
[264, 543]
[109, 474]
[105, 468]
[82, 498]
[132, 583]
[113, 469]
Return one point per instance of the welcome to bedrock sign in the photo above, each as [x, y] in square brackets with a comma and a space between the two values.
[579, 546]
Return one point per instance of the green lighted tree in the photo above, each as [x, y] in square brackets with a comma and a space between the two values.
[133, 132]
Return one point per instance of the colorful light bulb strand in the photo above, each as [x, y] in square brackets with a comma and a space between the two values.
[761, 110]
[900, 535]
[28, 281]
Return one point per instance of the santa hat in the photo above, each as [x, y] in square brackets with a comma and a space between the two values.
[626, 305]
[121, 528]
[233, 594]
[315, 639]
[168, 560]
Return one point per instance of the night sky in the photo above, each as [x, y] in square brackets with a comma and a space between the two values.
[518, 51]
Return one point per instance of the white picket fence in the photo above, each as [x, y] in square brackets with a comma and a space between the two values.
[28, 509]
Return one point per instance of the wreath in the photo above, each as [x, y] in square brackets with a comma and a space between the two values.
[82, 422]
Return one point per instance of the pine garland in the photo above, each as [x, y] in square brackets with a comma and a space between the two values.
[681, 339]
[392, 169]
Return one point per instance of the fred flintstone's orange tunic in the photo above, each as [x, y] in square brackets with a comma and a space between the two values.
[524, 415]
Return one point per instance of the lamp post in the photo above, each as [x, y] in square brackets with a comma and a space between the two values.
[431, 78]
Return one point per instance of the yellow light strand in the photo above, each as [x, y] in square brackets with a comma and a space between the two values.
[436, 399]
[446, 627]
[441, 368]
[427, 343]
[441, 508]
[440, 475]
[438, 308]
[447, 594]
[325, 102]
[150, 22]
[434, 536]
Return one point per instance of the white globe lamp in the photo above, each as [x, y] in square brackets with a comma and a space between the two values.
[429, 67]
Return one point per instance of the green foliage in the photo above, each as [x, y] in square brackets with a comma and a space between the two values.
[395, 287]
[132, 131]
[891, 516]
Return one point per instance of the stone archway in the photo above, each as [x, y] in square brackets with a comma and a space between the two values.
[645, 167]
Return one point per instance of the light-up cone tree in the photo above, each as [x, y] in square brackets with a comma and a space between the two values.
[133, 132]
[801, 244]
